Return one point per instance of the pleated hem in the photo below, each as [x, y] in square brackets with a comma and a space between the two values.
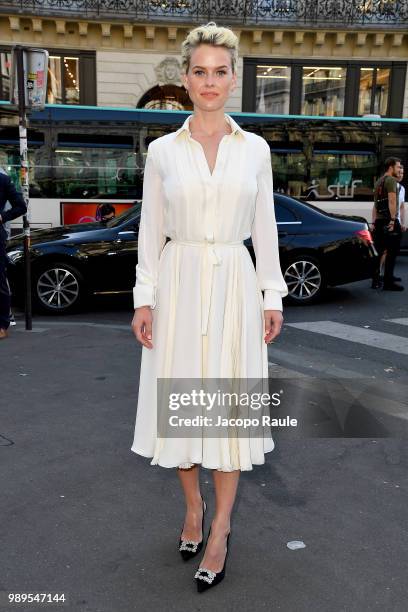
[188, 464]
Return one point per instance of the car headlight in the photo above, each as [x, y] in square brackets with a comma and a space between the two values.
[15, 255]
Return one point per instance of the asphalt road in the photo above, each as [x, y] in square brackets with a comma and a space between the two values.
[84, 516]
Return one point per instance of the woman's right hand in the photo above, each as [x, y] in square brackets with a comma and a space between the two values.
[142, 325]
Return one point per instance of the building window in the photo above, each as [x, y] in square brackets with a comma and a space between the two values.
[54, 83]
[71, 77]
[347, 88]
[63, 80]
[323, 91]
[5, 74]
[272, 89]
[374, 91]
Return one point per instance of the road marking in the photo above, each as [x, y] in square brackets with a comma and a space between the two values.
[277, 371]
[351, 333]
[403, 321]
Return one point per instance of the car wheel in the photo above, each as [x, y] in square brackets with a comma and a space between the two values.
[304, 278]
[58, 288]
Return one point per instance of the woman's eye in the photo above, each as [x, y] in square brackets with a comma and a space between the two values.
[202, 72]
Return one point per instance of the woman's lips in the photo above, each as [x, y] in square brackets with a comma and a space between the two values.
[210, 95]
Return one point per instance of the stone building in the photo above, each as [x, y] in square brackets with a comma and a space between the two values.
[309, 57]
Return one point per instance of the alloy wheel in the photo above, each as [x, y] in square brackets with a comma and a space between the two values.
[303, 279]
[57, 288]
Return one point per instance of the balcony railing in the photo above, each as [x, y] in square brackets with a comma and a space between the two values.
[292, 13]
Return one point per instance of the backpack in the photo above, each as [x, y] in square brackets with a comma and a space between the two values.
[381, 201]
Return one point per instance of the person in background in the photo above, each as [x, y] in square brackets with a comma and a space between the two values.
[401, 209]
[387, 227]
[8, 232]
[17, 208]
[401, 216]
[105, 212]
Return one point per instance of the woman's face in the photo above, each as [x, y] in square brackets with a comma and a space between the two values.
[209, 80]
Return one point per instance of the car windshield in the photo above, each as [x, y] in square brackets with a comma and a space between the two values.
[126, 215]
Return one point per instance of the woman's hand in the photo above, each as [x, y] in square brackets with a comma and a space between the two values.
[142, 325]
[273, 324]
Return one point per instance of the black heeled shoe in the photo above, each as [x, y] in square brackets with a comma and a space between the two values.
[205, 578]
[188, 548]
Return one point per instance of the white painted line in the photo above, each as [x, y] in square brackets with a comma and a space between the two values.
[314, 366]
[351, 333]
[403, 321]
[277, 371]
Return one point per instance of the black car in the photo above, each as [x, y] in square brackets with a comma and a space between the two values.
[317, 250]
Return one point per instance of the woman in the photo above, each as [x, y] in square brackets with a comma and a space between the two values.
[199, 310]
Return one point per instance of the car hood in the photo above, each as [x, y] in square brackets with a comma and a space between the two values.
[52, 234]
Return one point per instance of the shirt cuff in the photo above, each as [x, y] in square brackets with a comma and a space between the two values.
[272, 300]
[144, 295]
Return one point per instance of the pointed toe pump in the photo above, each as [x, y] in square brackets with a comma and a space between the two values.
[206, 578]
[189, 548]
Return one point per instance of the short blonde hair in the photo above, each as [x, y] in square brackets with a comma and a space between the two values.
[210, 34]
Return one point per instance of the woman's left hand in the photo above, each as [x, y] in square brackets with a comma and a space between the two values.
[273, 324]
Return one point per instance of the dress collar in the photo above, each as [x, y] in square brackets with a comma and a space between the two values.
[234, 125]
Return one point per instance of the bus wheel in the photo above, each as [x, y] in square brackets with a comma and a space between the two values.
[58, 288]
[304, 278]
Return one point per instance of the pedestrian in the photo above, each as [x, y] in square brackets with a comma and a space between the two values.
[17, 208]
[199, 309]
[401, 197]
[7, 227]
[387, 227]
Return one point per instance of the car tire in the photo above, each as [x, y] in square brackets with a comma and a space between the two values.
[58, 288]
[304, 277]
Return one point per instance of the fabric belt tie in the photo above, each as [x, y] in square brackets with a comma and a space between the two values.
[211, 258]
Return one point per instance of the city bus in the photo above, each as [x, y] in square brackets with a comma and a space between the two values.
[82, 156]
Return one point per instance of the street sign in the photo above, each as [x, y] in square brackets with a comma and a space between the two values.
[35, 77]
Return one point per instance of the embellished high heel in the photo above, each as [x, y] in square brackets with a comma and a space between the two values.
[206, 578]
[189, 548]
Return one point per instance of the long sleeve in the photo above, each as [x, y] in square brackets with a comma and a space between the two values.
[151, 239]
[265, 238]
[17, 202]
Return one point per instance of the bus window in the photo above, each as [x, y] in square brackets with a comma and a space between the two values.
[336, 175]
[97, 172]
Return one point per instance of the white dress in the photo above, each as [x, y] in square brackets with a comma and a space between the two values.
[202, 286]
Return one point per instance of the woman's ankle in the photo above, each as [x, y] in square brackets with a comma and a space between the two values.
[194, 504]
[221, 524]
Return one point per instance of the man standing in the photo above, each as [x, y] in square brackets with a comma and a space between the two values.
[387, 227]
[17, 208]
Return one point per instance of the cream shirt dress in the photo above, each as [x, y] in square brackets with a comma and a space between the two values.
[202, 286]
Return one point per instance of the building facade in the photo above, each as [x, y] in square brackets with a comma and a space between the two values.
[308, 57]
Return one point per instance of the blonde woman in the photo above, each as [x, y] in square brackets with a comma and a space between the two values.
[199, 309]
